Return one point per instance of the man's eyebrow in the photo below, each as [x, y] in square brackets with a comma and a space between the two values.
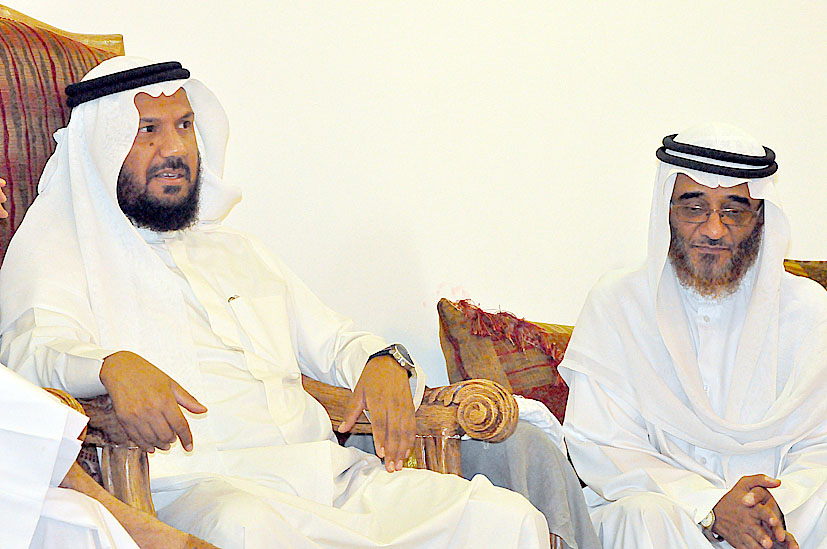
[152, 120]
[740, 199]
[733, 197]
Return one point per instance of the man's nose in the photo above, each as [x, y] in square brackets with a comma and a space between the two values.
[171, 144]
[713, 228]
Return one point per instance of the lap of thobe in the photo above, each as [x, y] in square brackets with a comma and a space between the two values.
[71, 520]
[650, 521]
[408, 508]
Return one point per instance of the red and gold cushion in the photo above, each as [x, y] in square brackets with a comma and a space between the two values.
[35, 67]
[817, 270]
[521, 355]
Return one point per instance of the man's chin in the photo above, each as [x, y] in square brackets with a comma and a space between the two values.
[703, 261]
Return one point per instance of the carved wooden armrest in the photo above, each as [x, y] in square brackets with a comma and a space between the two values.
[484, 409]
[123, 465]
[69, 401]
[480, 408]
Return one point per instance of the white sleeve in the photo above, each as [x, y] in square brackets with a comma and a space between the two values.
[51, 350]
[803, 473]
[610, 449]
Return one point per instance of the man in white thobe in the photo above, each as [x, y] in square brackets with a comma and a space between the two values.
[121, 279]
[696, 413]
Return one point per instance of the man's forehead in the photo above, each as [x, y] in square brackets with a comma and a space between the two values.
[686, 185]
[147, 103]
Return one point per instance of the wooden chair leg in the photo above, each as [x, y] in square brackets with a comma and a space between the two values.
[442, 454]
[125, 472]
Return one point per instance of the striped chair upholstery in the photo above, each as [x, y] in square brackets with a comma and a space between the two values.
[36, 64]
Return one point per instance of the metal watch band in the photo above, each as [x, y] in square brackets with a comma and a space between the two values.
[399, 354]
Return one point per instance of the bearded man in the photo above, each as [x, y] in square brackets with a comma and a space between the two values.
[696, 413]
[122, 279]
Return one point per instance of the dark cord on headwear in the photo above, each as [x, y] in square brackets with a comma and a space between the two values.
[87, 90]
[764, 165]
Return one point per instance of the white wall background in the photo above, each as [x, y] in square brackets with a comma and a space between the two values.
[396, 152]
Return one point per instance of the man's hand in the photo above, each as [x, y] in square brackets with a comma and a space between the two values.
[383, 390]
[749, 517]
[146, 402]
[3, 212]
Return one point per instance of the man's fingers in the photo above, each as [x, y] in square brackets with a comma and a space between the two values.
[3, 213]
[353, 410]
[768, 516]
[186, 400]
[756, 495]
[394, 450]
[164, 436]
[180, 427]
[760, 537]
[791, 542]
[146, 437]
[400, 437]
[379, 426]
[760, 480]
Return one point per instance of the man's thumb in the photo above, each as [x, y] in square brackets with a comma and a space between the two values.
[769, 482]
[352, 410]
[186, 400]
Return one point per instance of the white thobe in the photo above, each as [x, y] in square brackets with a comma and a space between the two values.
[266, 468]
[38, 444]
[638, 471]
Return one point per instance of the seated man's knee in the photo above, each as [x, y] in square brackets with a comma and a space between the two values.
[226, 517]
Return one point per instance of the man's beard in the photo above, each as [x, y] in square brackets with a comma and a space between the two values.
[707, 279]
[146, 211]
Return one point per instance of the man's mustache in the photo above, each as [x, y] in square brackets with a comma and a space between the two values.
[711, 243]
[172, 163]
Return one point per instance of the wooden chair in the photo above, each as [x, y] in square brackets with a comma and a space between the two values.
[38, 61]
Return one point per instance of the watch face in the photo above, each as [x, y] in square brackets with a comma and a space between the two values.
[402, 351]
[708, 520]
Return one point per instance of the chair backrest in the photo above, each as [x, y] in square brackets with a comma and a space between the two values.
[37, 61]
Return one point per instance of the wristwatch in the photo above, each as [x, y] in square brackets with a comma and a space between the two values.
[398, 353]
[707, 523]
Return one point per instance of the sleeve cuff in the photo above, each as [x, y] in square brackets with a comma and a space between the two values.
[82, 377]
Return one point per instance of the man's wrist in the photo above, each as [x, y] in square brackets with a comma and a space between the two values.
[400, 355]
[707, 525]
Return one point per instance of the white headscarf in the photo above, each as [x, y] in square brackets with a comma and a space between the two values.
[653, 361]
[76, 237]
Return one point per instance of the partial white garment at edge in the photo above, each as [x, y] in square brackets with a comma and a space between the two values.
[38, 444]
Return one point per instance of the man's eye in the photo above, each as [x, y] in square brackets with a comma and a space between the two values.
[734, 213]
[146, 129]
[186, 124]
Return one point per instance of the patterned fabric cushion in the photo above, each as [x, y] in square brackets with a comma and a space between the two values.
[35, 67]
[817, 270]
[522, 356]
